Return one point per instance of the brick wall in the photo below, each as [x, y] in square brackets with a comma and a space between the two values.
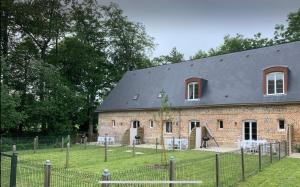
[233, 117]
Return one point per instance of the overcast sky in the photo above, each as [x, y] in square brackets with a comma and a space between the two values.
[191, 25]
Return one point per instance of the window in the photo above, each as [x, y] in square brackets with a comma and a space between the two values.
[135, 124]
[168, 127]
[281, 124]
[275, 80]
[220, 123]
[193, 124]
[250, 130]
[194, 88]
[193, 91]
[275, 83]
[151, 124]
[113, 123]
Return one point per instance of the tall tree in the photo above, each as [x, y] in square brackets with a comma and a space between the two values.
[291, 32]
[128, 42]
[42, 21]
[173, 57]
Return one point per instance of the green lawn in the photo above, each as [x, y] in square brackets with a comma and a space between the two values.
[285, 173]
[87, 165]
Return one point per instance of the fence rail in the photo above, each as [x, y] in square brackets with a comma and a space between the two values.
[221, 169]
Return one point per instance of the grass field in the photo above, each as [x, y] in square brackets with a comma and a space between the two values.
[87, 165]
[285, 173]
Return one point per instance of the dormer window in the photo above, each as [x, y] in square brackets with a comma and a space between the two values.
[275, 80]
[193, 91]
[275, 83]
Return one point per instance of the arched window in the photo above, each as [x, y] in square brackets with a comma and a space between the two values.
[135, 124]
[275, 83]
[193, 88]
[275, 80]
[193, 91]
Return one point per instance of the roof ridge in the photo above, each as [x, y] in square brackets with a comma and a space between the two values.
[216, 56]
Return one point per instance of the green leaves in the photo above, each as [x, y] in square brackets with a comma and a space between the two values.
[9, 114]
[174, 57]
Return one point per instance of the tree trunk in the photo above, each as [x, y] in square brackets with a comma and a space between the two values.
[90, 99]
[91, 126]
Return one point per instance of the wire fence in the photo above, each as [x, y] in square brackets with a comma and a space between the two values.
[5, 170]
[220, 169]
[35, 143]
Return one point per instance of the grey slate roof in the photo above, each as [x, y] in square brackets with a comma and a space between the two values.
[232, 79]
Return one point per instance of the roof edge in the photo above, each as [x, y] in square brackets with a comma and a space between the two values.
[202, 106]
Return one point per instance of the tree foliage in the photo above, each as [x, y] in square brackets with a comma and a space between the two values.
[174, 57]
[237, 43]
[63, 58]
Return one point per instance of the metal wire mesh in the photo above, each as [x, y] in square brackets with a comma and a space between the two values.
[27, 143]
[201, 169]
[230, 168]
[5, 170]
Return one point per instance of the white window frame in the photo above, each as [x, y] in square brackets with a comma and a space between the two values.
[250, 129]
[166, 127]
[279, 129]
[188, 95]
[151, 124]
[190, 124]
[275, 83]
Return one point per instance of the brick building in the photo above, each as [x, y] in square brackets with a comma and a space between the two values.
[248, 95]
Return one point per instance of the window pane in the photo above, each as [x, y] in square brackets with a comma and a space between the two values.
[279, 86]
[281, 124]
[196, 91]
[221, 124]
[247, 130]
[190, 91]
[271, 85]
[168, 127]
[254, 131]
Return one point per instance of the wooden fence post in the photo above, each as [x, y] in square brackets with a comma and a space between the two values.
[105, 148]
[47, 173]
[62, 143]
[85, 142]
[69, 139]
[243, 164]
[259, 157]
[290, 128]
[217, 170]
[172, 172]
[67, 155]
[14, 148]
[34, 145]
[133, 148]
[37, 142]
[285, 148]
[279, 151]
[271, 153]
[173, 143]
[156, 144]
[13, 170]
[105, 177]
